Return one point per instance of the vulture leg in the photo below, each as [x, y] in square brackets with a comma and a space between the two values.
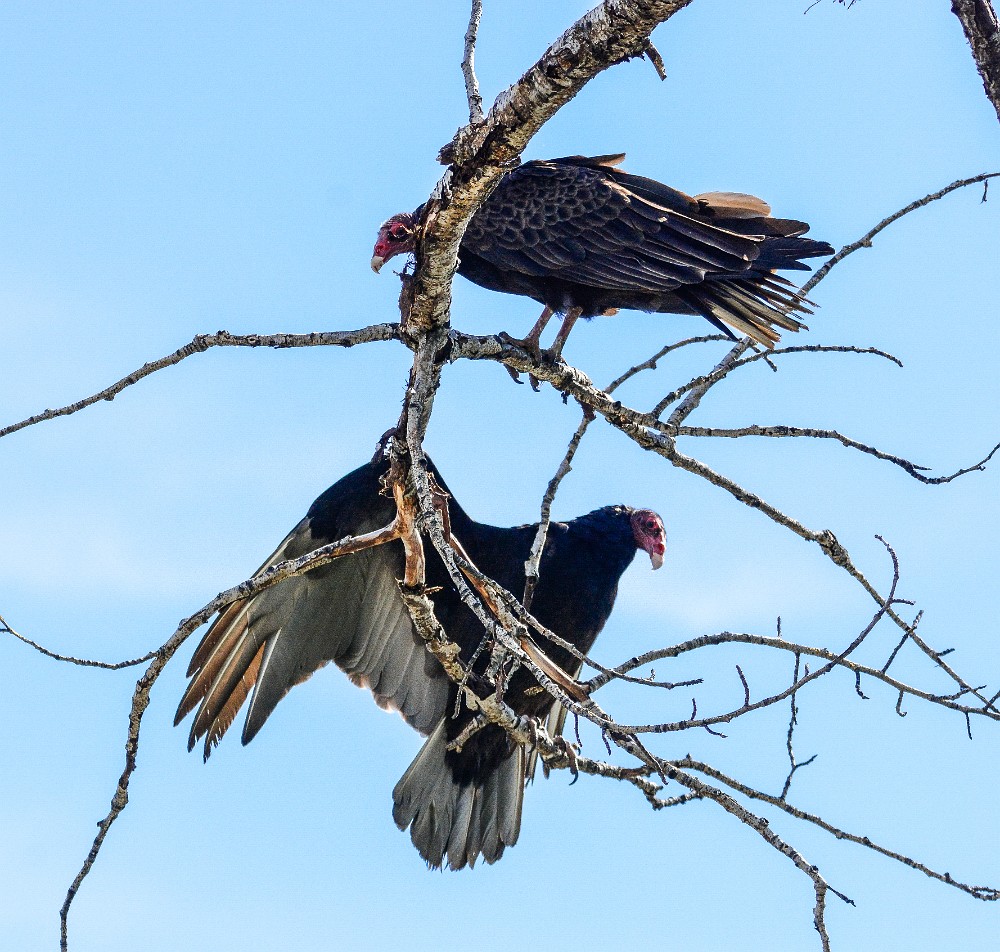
[535, 334]
[572, 316]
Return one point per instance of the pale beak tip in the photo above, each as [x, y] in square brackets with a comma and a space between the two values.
[377, 262]
[657, 559]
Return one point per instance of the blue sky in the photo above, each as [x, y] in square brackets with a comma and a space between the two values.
[173, 169]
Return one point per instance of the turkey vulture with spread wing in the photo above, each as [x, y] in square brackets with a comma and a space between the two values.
[585, 238]
[459, 804]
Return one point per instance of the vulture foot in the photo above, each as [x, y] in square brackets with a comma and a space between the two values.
[529, 344]
[514, 374]
[571, 752]
[533, 725]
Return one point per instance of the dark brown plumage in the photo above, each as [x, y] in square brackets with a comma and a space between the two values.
[585, 238]
[459, 805]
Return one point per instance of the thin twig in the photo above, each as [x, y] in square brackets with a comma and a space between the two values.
[763, 829]
[783, 431]
[653, 54]
[986, 893]
[865, 241]
[722, 371]
[86, 662]
[747, 706]
[532, 565]
[694, 396]
[793, 764]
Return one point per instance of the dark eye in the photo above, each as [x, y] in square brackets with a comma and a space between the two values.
[398, 232]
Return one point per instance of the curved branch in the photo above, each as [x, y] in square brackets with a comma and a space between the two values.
[85, 662]
[761, 826]
[790, 691]
[988, 710]
[865, 241]
[160, 657]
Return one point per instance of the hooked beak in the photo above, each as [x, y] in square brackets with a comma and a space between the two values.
[657, 559]
[377, 262]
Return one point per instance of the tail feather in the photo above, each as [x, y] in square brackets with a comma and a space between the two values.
[753, 307]
[455, 823]
[785, 253]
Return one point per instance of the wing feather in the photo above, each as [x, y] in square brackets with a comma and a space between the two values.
[583, 223]
[348, 611]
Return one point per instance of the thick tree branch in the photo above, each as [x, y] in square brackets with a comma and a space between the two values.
[612, 32]
[979, 20]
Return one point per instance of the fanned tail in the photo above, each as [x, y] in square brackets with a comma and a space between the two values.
[452, 824]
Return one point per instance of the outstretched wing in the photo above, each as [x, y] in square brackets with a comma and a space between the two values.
[581, 221]
[348, 611]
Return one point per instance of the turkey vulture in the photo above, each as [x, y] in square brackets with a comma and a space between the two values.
[585, 238]
[461, 803]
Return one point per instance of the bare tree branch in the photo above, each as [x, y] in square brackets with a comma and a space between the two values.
[694, 396]
[987, 709]
[201, 343]
[865, 241]
[160, 657]
[979, 20]
[761, 826]
[986, 893]
[532, 566]
[781, 431]
[722, 370]
[793, 763]
[85, 662]
[469, 64]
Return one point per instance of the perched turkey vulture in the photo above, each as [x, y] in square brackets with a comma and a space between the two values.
[459, 804]
[585, 238]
